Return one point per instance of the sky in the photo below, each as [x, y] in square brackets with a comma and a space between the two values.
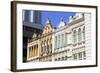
[55, 17]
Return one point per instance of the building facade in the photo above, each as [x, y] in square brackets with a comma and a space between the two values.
[31, 28]
[69, 41]
[44, 42]
[70, 38]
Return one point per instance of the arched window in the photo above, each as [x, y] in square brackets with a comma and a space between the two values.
[42, 46]
[84, 33]
[44, 49]
[45, 46]
[79, 35]
[41, 51]
[62, 40]
[47, 51]
[66, 39]
[50, 49]
[48, 46]
[55, 42]
[58, 41]
[74, 36]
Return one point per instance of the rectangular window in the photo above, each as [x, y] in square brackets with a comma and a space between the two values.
[58, 59]
[84, 55]
[55, 59]
[75, 56]
[65, 57]
[29, 52]
[62, 58]
[80, 55]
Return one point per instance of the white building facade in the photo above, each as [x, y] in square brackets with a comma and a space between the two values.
[71, 40]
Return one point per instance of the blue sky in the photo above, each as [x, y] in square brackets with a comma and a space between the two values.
[55, 17]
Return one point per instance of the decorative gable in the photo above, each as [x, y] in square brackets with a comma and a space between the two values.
[48, 27]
